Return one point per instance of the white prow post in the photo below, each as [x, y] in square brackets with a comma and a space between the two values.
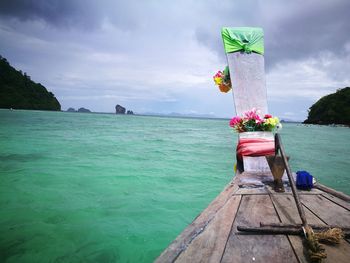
[247, 73]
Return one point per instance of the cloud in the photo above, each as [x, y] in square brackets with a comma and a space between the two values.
[293, 30]
[308, 29]
[302, 79]
[161, 56]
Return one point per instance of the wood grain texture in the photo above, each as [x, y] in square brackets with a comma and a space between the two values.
[287, 211]
[333, 192]
[257, 248]
[210, 244]
[341, 202]
[203, 240]
[326, 210]
[197, 226]
[252, 191]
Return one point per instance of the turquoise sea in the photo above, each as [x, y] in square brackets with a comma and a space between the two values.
[105, 188]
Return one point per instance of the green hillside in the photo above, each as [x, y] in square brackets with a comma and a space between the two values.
[331, 109]
[18, 91]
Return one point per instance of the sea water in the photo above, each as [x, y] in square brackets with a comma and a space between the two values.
[80, 187]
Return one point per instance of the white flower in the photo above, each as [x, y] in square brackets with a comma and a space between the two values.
[279, 127]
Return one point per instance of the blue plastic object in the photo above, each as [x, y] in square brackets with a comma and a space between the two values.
[304, 180]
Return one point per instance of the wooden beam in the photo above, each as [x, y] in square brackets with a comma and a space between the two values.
[337, 200]
[257, 248]
[326, 210]
[332, 192]
[287, 211]
[197, 226]
[210, 244]
[314, 226]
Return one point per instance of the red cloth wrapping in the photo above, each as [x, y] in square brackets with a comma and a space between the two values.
[255, 147]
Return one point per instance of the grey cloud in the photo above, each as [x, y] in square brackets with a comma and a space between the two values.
[295, 30]
[61, 13]
[83, 14]
[169, 49]
[322, 26]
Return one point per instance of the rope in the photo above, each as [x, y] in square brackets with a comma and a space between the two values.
[315, 250]
[330, 236]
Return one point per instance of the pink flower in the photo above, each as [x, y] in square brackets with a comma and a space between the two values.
[259, 121]
[218, 74]
[267, 116]
[235, 120]
[253, 115]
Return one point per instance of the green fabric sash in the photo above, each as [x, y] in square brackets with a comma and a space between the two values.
[248, 39]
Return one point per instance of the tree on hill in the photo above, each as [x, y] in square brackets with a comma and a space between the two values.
[331, 109]
[18, 91]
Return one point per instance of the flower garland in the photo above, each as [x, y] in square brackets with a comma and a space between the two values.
[222, 80]
[251, 121]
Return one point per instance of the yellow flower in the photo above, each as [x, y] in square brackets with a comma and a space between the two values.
[272, 121]
[276, 120]
[217, 80]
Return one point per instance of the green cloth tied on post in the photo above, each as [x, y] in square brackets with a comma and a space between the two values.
[247, 39]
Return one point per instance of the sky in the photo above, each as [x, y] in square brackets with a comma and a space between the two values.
[159, 56]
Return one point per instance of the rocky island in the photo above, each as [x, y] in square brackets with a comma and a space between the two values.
[79, 110]
[18, 91]
[121, 110]
[84, 110]
[71, 110]
[331, 109]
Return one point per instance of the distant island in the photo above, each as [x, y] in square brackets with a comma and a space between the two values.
[71, 110]
[331, 109]
[18, 91]
[79, 110]
[121, 110]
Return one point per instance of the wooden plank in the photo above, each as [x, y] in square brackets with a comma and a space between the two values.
[268, 190]
[331, 191]
[288, 213]
[251, 191]
[250, 183]
[197, 226]
[257, 248]
[288, 191]
[266, 178]
[327, 211]
[337, 200]
[210, 244]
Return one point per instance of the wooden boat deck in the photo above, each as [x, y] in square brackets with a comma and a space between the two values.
[248, 200]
